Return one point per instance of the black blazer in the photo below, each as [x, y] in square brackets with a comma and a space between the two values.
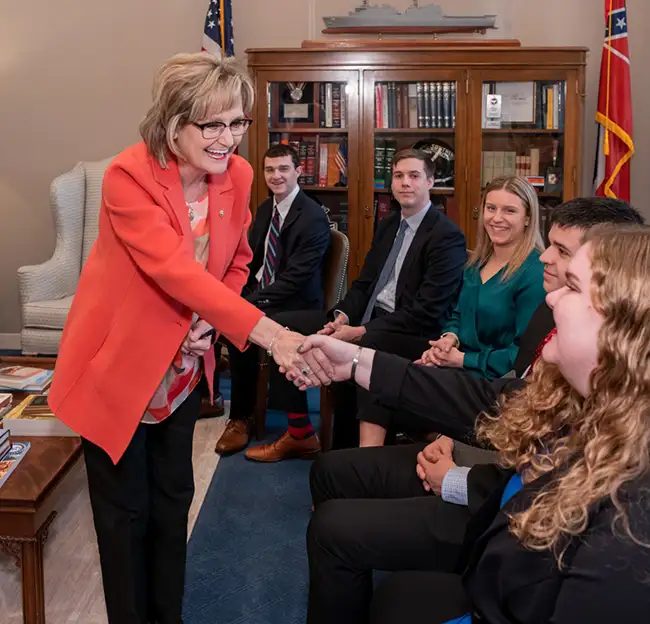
[428, 283]
[304, 240]
[448, 400]
[605, 579]
[540, 324]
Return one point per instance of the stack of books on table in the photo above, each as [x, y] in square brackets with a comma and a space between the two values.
[25, 378]
[6, 401]
[33, 417]
[10, 455]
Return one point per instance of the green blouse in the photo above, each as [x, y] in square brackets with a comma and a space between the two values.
[490, 318]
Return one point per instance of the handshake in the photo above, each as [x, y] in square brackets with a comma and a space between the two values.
[320, 359]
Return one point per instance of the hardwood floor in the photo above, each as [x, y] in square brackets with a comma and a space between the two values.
[73, 584]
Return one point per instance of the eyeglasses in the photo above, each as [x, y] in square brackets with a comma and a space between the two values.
[214, 129]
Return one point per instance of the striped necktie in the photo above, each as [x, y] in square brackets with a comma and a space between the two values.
[268, 273]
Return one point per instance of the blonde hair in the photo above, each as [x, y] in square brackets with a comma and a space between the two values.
[531, 239]
[186, 89]
[600, 442]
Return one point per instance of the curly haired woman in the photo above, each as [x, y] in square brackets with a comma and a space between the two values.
[567, 537]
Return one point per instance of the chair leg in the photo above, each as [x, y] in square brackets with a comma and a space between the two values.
[259, 414]
[326, 418]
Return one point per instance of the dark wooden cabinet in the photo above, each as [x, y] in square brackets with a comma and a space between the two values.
[346, 109]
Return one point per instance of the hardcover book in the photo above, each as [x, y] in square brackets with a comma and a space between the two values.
[16, 453]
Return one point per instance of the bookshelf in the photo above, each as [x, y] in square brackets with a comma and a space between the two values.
[347, 109]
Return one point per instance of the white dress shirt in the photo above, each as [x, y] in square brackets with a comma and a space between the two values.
[283, 209]
[386, 298]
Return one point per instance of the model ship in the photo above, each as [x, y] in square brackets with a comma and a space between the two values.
[385, 18]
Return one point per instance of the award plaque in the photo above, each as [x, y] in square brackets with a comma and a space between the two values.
[296, 103]
[492, 111]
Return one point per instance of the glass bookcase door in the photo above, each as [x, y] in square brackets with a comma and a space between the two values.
[414, 113]
[314, 117]
[522, 125]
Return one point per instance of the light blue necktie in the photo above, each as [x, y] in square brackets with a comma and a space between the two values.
[387, 271]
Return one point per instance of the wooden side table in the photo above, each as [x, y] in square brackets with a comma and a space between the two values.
[27, 508]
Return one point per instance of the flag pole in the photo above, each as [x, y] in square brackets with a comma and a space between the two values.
[609, 65]
[222, 26]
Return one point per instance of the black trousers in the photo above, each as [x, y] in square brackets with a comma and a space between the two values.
[417, 596]
[140, 508]
[372, 513]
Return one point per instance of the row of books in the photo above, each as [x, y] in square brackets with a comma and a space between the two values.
[11, 453]
[498, 163]
[307, 104]
[333, 105]
[532, 104]
[385, 149]
[415, 105]
[25, 378]
[323, 159]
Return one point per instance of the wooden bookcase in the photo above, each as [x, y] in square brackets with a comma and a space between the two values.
[540, 128]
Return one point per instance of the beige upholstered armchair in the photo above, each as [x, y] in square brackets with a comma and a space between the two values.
[46, 290]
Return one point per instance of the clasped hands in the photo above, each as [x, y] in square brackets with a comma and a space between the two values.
[434, 462]
[340, 329]
[443, 352]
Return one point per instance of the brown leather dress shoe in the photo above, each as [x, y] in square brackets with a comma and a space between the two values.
[234, 438]
[285, 448]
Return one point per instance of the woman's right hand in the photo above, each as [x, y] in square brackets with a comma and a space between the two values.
[316, 368]
[445, 344]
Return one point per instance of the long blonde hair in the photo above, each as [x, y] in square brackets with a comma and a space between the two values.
[532, 239]
[186, 88]
[601, 442]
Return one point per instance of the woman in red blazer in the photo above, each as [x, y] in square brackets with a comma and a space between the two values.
[167, 268]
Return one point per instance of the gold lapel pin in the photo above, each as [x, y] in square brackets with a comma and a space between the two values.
[221, 213]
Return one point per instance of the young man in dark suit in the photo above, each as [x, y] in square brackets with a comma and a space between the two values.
[407, 286]
[289, 238]
[379, 507]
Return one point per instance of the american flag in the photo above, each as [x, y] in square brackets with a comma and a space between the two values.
[614, 112]
[218, 37]
[341, 160]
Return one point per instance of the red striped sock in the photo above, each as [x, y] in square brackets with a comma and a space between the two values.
[300, 426]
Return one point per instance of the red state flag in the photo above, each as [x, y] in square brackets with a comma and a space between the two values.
[614, 113]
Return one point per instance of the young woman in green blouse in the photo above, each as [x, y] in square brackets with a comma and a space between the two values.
[502, 284]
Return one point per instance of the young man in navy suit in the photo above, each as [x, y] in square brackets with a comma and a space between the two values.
[289, 238]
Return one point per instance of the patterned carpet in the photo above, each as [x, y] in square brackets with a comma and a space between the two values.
[246, 560]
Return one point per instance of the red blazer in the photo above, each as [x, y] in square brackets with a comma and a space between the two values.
[133, 306]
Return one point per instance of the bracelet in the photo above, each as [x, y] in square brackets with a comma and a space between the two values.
[355, 361]
[269, 349]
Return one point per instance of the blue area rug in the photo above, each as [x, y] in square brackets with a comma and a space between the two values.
[246, 558]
